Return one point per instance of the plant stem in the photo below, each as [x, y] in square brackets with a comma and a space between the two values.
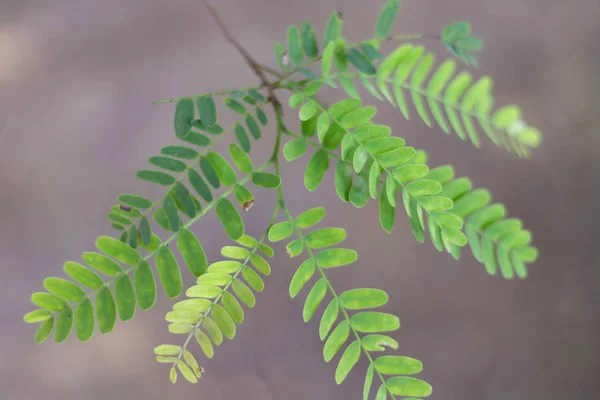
[220, 93]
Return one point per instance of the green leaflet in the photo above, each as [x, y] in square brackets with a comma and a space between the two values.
[145, 232]
[204, 343]
[183, 152]
[266, 180]
[314, 299]
[309, 218]
[377, 342]
[347, 362]
[168, 163]
[358, 299]
[125, 297]
[242, 137]
[398, 365]
[386, 18]
[168, 272]
[234, 105]
[244, 293]
[280, 231]
[207, 110]
[184, 114]
[301, 277]
[64, 323]
[199, 185]
[44, 330]
[84, 320]
[408, 386]
[360, 62]
[294, 45]
[118, 250]
[295, 248]
[230, 219]
[63, 288]
[184, 200]
[253, 279]
[244, 197]
[294, 149]
[145, 285]
[192, 251]
[309, 41]
[160, 178]
[210, 173]
[260, 264]
[223, 169]
[106, 310]
[171, 214]
[336, 257]
[315, 170]
[343, 181]
[37, 316]
[223, 321]
[83, 275]
[336, 340]
[325, 237]
[373, 321]
[232, 306]
[237, 253]
[368, 382]
[136, 201]
[333, 29]
[102, 263]
[328, 319]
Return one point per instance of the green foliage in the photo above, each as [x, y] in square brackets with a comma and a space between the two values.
[368, 163]
[342, 329]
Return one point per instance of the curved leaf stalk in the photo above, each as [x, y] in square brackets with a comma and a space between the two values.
[335, 296]
[219, 93]
[195, 160]
[225, 288]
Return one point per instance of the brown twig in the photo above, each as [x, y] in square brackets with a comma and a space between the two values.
[252, 63]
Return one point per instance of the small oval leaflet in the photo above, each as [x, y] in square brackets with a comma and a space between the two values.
[398, 365]
[192, 251]
[169, 272]
[230, 219]
[106, 310]
[373, 321]
[358, 299]
[314, 299]
[325, 237]
[309, 218]
[280, 231]
[145, 285]
[84, 320]
[301, 277]
[408, 386]
[336, 257]
[118, 250]
[266, 180]
[184, 114]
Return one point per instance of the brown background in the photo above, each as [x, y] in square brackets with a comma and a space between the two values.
[77, 81]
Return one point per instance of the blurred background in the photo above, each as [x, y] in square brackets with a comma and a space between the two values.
[77, 82]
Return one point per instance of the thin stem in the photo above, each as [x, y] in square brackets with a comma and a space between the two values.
[271, 71]
[252, 63]
[220, 93]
